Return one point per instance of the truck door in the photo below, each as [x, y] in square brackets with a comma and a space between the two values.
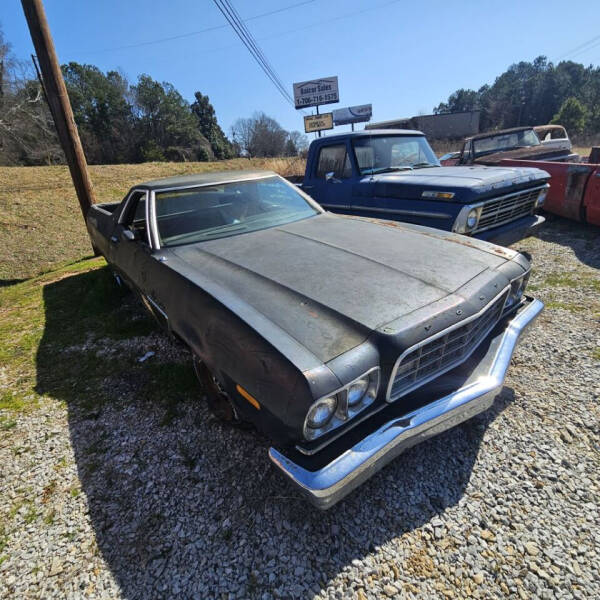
[331, 181]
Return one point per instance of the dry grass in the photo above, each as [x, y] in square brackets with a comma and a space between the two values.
[40, 222]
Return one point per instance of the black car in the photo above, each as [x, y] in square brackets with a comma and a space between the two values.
[344, 339]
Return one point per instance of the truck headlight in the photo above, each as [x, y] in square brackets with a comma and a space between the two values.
[472, 219]
[467, 219]
[336, 408]
[542, 196]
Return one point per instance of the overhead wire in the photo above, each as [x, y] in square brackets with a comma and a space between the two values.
[248, 40]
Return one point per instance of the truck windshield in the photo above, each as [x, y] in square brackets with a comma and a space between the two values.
[505, 141]
[195, 214]
[388, 153]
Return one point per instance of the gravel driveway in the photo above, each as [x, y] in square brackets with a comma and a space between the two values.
[130, 501]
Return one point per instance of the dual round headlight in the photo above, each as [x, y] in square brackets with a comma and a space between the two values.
[321, 412]
[334, 410]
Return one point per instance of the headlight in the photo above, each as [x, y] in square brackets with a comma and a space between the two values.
[542, 196]
[517, 289]
[321, 412]
[472, 219]
[356, 390]
[467, 219]
[335, 409]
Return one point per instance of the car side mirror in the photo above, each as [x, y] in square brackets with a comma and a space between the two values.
[331, 178]
[127, 235]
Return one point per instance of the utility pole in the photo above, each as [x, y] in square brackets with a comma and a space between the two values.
[58, 101]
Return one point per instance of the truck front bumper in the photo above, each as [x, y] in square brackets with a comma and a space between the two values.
[327, 485]
[508, 234]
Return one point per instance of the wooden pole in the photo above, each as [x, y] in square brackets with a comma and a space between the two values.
[58, 100]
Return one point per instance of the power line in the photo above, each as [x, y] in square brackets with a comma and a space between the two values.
[581, 48]
[194, 33]
[248, 40]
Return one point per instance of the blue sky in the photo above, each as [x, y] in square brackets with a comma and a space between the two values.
[404, 57]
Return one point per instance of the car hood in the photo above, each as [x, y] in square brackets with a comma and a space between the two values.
[329, 281]
[467, 182]
[540, 152]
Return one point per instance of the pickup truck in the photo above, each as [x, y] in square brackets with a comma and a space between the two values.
[343, 340]
[394, 174]
[574, 186]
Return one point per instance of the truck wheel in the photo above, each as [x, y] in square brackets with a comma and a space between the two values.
[219, 403]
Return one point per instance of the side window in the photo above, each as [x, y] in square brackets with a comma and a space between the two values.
[135, 217]
[334, 159]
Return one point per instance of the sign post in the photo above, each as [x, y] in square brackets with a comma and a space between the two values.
[316, 92]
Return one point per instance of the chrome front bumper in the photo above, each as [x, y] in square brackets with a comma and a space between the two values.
[329, 484]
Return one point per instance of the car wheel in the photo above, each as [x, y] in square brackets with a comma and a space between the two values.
[219, 402]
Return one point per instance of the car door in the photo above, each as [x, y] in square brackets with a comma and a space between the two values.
[131, 253]
[332, 179]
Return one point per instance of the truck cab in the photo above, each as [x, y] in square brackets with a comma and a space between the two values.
[395, 175]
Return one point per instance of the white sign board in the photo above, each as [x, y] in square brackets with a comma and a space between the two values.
[316, 92]
[352, 114]
[318, 122]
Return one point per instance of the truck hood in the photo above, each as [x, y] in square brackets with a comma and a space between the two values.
[329, 281]
[469, 183]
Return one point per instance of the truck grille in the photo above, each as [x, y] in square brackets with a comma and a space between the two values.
[505, 209]
[444, 351]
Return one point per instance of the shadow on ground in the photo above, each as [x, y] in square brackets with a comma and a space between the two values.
[583, 239]
[184, 507]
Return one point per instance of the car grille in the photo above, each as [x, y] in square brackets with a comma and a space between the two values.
[444, 351]
[504, 209]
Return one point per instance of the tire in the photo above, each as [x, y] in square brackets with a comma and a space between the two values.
[219, 402]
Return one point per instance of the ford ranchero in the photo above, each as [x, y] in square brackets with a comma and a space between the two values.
[343, 339]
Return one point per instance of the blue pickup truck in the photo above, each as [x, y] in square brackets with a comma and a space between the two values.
[395, 175]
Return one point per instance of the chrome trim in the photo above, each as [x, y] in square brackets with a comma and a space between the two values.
[478, 229]
[335, 480]
[151, 216]
[434, 337]
[148, 299]
[392, 211]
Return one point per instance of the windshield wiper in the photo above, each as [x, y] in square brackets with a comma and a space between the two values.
[420, 165]
[391, 169]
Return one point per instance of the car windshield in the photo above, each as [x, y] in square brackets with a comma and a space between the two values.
[383, 154]
[506, 141]
[195, 214]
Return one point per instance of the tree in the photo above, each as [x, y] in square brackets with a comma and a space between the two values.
[164, 121]
[209, 127]
[572, 115]
[102, 112]
[260, 136]
[27, 134]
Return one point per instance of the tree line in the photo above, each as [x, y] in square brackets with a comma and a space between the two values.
[536, 93]
[121, 122]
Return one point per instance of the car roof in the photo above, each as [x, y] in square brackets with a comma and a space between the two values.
[213, 177]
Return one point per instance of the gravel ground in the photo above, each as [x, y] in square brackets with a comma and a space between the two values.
[118, 503]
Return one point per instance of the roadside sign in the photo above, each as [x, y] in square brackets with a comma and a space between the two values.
[318, 122]
[352, 114]
[316, 92]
